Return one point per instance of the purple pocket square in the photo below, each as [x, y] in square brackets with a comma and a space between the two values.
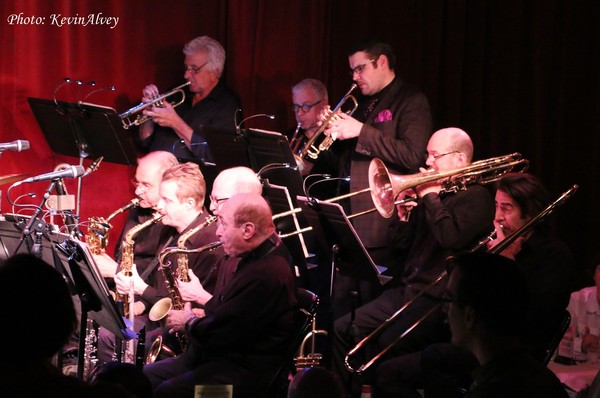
[384, 116]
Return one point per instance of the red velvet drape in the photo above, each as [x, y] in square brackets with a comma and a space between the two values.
[518, 76]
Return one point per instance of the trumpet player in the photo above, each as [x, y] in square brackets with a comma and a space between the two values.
[309, 98]
[212, 104]
[441, 224]
[392, 123]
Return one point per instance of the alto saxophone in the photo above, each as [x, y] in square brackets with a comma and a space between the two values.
[127, 257]
[98, 228]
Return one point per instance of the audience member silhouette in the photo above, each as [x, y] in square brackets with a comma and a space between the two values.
[38, 318]
[315, 382]
[127, 375]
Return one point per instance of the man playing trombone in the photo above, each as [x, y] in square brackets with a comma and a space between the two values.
[548, 267]
[442, 223]
[212, 104]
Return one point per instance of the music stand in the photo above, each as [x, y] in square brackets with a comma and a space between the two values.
[94, 296]
[82, 129]
[335, 232]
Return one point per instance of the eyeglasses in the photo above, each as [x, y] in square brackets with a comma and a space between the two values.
[193, 68]
[358, 69]
[143, 186]
[436, 157]
[217, 200]
[305, 107]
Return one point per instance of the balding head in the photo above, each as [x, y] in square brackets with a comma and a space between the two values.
[233, 181]
[245, 221]
[456, 140]
[148, 175]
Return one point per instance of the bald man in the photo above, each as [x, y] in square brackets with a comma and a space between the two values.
[442, 224]
[248, 322]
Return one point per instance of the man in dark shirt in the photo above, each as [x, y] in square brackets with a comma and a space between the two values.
[248, 322]
[212, 104]
[442, 224]
[486, 318]
[147, 242]
[443, 370]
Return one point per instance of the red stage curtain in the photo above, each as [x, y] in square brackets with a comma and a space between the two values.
[518, 76]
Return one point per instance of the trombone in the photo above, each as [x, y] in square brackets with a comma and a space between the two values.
[499, 248]
[134, 116]
[385, 186]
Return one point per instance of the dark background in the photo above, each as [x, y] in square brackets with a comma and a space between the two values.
[518, 76]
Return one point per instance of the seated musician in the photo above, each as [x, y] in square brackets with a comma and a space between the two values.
[248, 321]
[148, 241]
[443, 370]
[229, 182]
[442, 223]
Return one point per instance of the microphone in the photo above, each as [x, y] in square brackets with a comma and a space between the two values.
[93, 166]
[17, 146]
[238, 125]
[69, 172]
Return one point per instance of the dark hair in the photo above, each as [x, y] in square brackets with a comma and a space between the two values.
[375, 47]
[495, 287]
[126, 375]
[38, 309]
[527, 191]
[315, 382]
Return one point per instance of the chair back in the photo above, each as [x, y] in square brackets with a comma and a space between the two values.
[308, 303]
[557, 337]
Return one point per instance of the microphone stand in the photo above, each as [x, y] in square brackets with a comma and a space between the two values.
[37, 225]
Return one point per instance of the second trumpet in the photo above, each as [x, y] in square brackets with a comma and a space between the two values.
[311, 149]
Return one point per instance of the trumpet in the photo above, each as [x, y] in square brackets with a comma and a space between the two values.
[494, 250]
[385, 187]
[134, 116]
[312, 150]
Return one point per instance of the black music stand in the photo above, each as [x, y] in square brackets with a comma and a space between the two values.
[338, 238]
[94, 296]
[82, 129]
[264, 150]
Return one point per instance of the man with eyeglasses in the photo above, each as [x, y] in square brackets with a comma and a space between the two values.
[392, 123]
[147, 179]
[309, 98]
[442, 223]
[211, 104]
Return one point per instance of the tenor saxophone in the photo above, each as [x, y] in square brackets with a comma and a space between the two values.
[174, 301]
[99, 227]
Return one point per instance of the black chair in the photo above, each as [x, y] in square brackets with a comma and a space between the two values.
[557, 337]
[308, 303]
